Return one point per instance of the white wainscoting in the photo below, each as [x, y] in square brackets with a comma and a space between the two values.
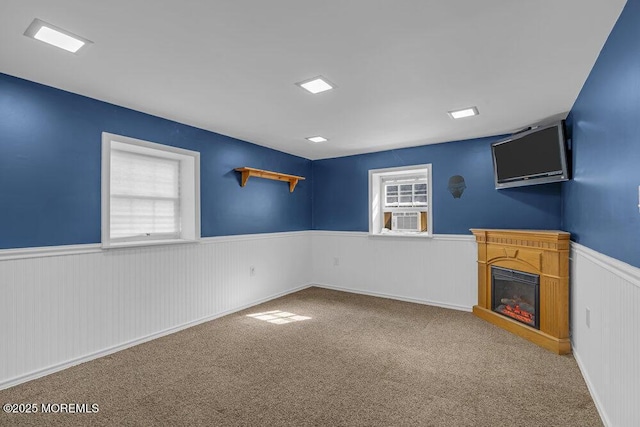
[438, 271]
[62, 306]
[608, 352]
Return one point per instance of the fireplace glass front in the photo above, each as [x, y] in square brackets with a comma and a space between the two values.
[516, 294]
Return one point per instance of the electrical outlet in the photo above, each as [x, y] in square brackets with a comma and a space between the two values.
[336, 261]
[252, 271]
[588, 317]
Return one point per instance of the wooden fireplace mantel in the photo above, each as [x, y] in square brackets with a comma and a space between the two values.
[541, 252]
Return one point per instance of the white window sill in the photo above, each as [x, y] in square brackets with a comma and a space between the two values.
[117, 245]
[419, 235]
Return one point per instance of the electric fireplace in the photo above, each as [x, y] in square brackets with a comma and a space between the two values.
[523, 284]
[516, 294]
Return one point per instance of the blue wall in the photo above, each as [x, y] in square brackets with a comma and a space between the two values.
[50, 169]
[50, 148]
[340, 190]
[601, 202]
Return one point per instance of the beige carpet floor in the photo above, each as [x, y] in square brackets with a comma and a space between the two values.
[358, 361]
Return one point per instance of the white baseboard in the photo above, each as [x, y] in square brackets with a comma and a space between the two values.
[394, 297]
[591, 387]
[86, 358]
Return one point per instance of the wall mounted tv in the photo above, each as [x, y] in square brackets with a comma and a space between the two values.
[534, 156]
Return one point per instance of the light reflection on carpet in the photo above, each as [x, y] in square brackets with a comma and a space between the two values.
[278, 317]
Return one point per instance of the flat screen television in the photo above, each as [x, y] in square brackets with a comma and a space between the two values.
[535, 156]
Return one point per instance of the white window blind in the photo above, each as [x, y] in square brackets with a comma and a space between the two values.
[150, 193]
[145, 196]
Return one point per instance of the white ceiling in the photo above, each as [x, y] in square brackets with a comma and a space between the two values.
[399, 66]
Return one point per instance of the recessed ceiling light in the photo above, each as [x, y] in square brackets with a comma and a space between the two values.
[317, 139]
[467, 112]
[55, 36]
[316, 85]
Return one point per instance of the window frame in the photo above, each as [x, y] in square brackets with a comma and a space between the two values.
[378, 181]
[189, 190]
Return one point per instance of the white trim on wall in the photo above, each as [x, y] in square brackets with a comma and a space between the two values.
[258, 236]
[607, 349]
[449, 237]
[617, 267]
[49, 251]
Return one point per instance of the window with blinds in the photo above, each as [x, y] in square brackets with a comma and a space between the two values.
[145, 196]
[150, 193]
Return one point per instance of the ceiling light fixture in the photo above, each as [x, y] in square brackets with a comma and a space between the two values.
[317, 139]
[55, 36]
[467, 112]
[316, 85]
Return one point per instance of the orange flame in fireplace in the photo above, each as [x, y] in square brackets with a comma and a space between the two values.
[517, 313]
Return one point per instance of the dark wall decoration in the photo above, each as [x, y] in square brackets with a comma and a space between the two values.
[456, 186]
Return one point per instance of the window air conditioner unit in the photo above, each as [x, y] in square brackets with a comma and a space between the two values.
[406, 221]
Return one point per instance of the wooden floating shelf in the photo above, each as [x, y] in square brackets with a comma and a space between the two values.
[260, 173]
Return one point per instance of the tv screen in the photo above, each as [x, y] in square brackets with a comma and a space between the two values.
[536, 156]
